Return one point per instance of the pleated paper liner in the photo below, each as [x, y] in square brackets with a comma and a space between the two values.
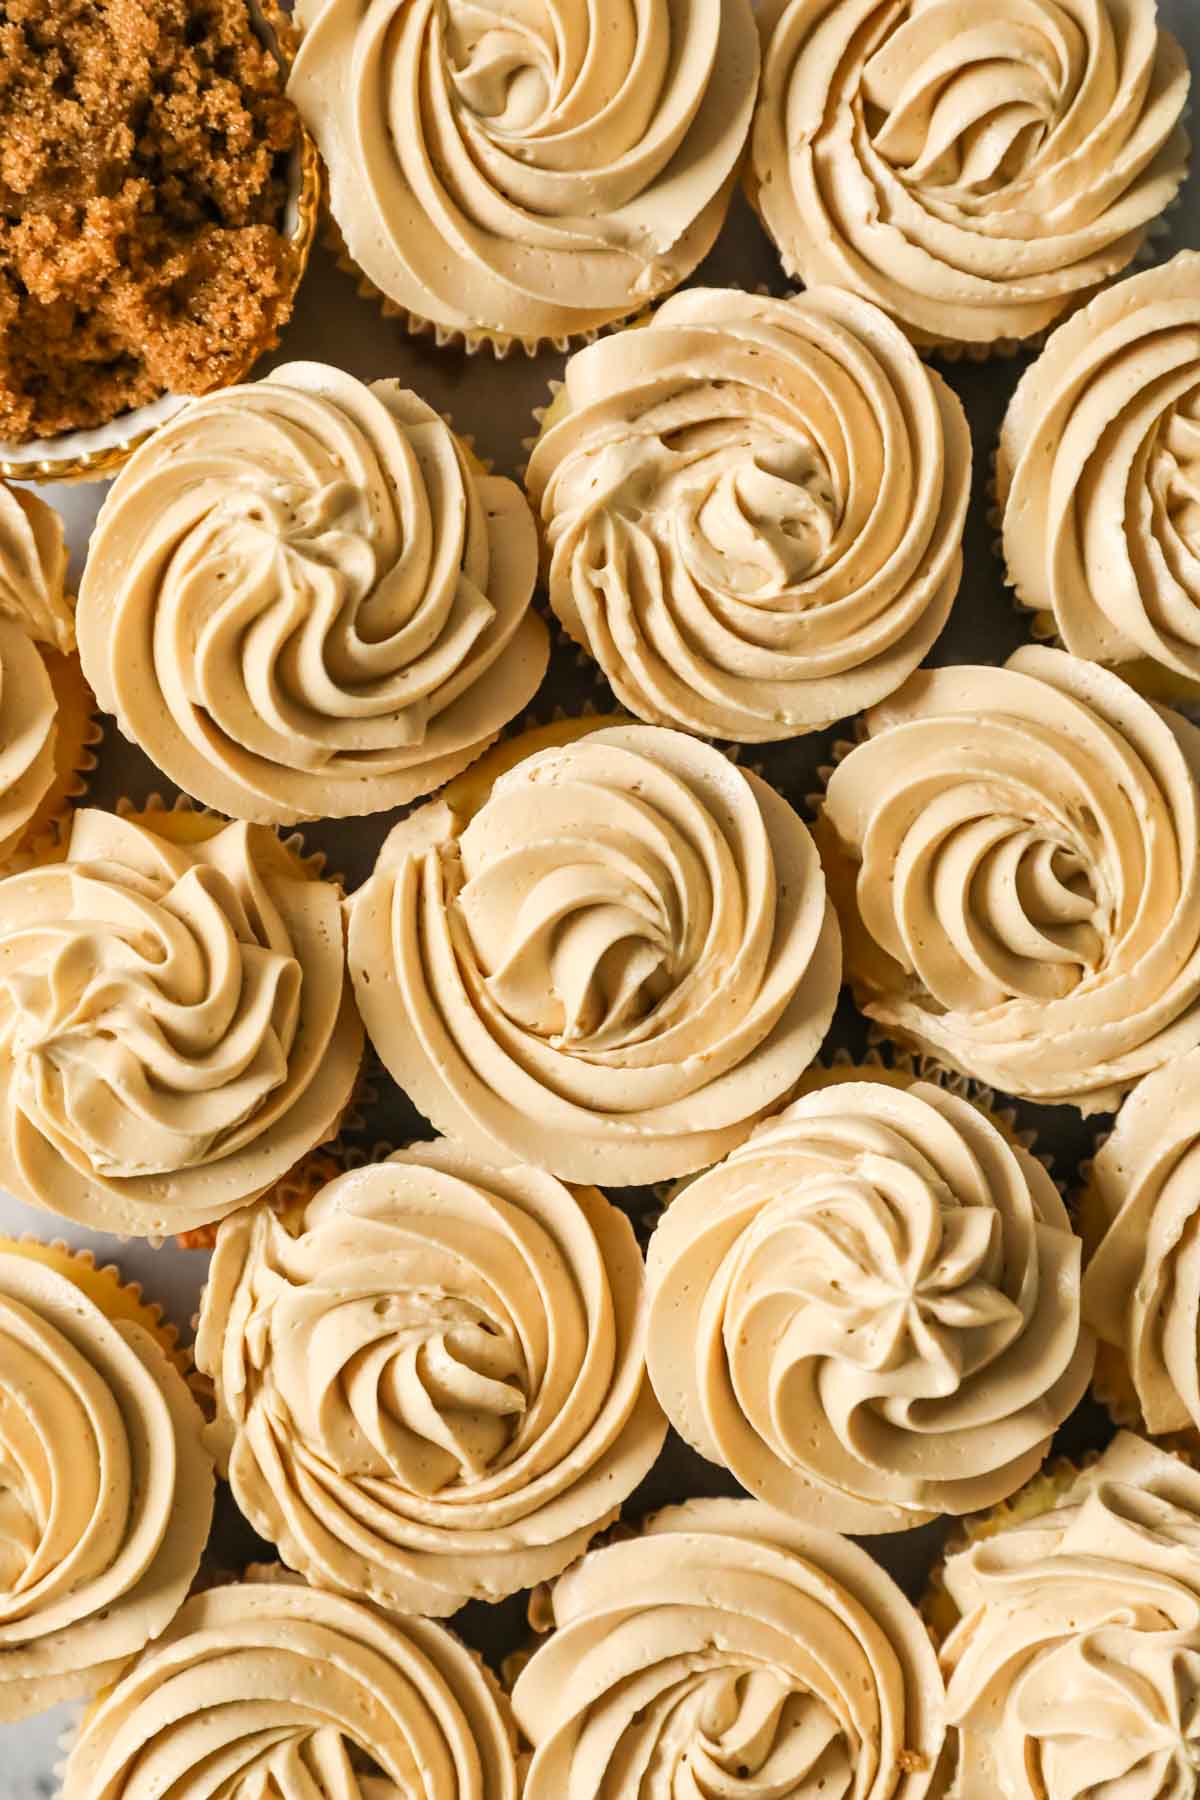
[77, 736]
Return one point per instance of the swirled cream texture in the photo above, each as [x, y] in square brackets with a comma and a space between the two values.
[870, 1311]
[33, 610]
[431, 1383]
[304, 598]
[974, 170]
[1015, 854]
[33, 569]
[530, 172]
[728, 1651]
[1075, 1672]
[1099, 474]
[176, 1029]
[106, 1490]
[1141, 1291]
[270, 1688]
[753, 510]
[612, 970]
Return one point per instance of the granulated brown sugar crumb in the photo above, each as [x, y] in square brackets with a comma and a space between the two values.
[144, 150]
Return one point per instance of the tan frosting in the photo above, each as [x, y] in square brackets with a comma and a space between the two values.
[33, 569]
[728, 1651]
[304, 598]
[176, 1030]
[270, 1689]
[1141, 1291]
[754, 510]
[106, 1492]
[870, 1311]
[531, 172]
[1075, 1673]
[972, 168]
[1024, 898]
[431, 1383]
[33, 608]
[623, 959]
[1099, 474]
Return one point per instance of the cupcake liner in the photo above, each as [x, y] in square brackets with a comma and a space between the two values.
[78, 734]
[97, 453]
[121, 1302]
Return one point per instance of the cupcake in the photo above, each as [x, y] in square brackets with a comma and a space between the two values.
[430, 1379]
[106, 1490]
[176, 1029]
[1098, 478]
[869, 1312]
[729, 1650]
[620, 962]
[1014, 854]
[159, 202]
[306, 598]
[753, 510]
[1139, 1216]
[975, 170]
[512, 177]
[1072, 1667]
[266, 1687]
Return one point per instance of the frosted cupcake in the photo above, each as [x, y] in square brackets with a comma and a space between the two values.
[1014, 854]
[753, 510]
[975, 170]
[611, 968]
[528, 175]
[306, 598]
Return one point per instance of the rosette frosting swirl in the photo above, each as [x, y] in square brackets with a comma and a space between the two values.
[1099, 474]
[269, 1688]
[729, 1652]
[972, 169]
[431, 1382]
[1075, 1672]
[106, 1490]
[33, 569]
[176, 1030]
[612, 970]
[1015, 854]
[1141, 1292]
[33, 609]
[754, 510]
[305, 598]
[870, 1311]
[530, 172]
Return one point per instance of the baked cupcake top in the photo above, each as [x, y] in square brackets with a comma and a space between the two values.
[727, 1649]
[1140, 1292]
[1099, 474]
[106, 1491]
[1015, 856]
[277, 1689]
[869, 1312]
[753, 510]
[304, 597]
[430, 1381]
[176, 1031]
[532, 173]
[612, 970]
[972, 169]
[1075, 1669]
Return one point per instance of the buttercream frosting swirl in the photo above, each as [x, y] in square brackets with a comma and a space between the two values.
[431, 1382]
[33, 569]
[1141, 1291]
[972, 169]
[754, 510]
[1016, 859]
[869, 1312]
[612, 970]
[33, 610]
[176, 1030]
[1075, 1672]
[106, 1490]
[271, 1688]
[1099, 474]
[529, 173]
[304, 598]
[729, 1651]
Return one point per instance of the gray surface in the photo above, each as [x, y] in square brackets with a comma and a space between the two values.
[494, 403]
